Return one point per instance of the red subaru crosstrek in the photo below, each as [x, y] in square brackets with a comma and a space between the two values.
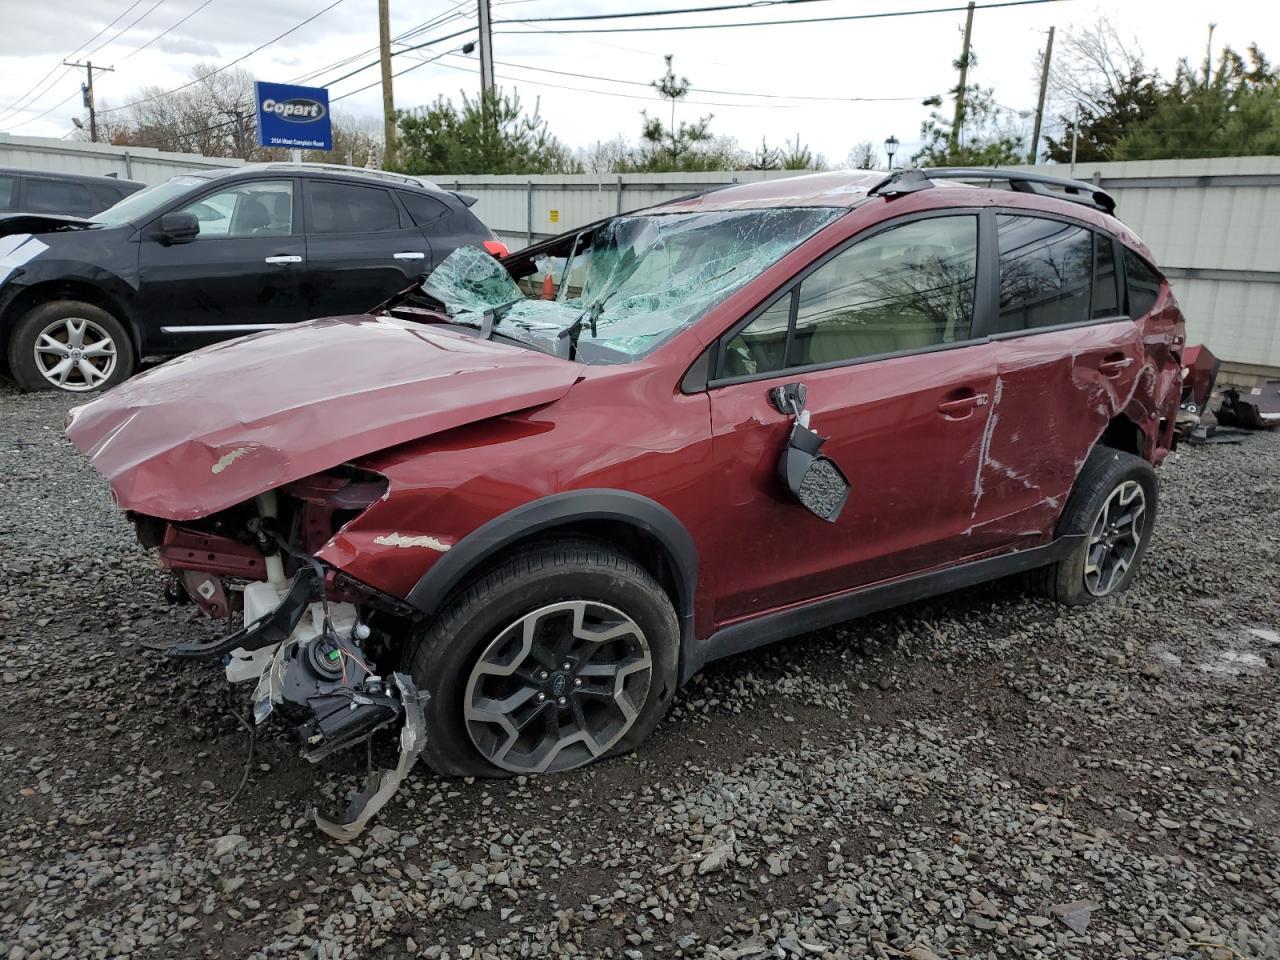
[510, 511]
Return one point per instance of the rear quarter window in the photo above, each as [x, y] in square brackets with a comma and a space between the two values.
[1143, 282]
[423, 209]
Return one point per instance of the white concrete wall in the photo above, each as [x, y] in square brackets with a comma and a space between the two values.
[145, 164]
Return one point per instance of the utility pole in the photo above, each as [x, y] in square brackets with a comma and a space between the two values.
[1208, 57]
[87, 90]
[486, 49]
[958, 122]
[388, 99]
[1044, 86]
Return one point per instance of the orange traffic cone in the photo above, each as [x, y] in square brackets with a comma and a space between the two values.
[548, 287]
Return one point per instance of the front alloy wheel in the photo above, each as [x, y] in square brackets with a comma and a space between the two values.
[1115, 538]
[75, 354]
[558, 688]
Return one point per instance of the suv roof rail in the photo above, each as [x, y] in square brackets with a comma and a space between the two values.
[359, 171]
[1077, 191]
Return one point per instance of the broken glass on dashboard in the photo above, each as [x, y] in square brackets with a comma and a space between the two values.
[628, 285]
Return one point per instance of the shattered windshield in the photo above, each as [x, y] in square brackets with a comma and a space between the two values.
[626, 286]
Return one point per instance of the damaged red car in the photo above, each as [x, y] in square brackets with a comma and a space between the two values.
[513, 509]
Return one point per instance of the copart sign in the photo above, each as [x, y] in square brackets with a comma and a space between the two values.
[293, 117]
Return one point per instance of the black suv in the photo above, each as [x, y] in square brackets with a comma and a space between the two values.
[212, 255]
[73, 194]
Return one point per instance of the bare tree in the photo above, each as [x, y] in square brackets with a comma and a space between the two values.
[1091, 62]
[862, 156]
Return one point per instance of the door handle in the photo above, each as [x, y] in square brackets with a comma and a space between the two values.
[962, 407]
[1112, 368]
[284, 259]
[410, 255]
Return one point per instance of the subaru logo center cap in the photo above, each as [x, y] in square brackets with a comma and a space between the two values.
[559, 684]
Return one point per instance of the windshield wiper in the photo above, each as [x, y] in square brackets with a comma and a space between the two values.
[573, 330]
[493, 315]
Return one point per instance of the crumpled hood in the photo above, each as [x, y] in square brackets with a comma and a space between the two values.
[216, 427]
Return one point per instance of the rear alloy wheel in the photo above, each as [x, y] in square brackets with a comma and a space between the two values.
[71, 346]
[1115, 539]
[1110, 514]
[556, 656]
[558, 687]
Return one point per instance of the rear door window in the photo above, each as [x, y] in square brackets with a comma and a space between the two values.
[1143, 282]
[8, 192]
[57, 196]
[1046, 271]
[348, 208]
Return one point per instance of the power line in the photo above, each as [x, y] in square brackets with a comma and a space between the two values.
[662, 13]
[166, 32]
[625, 96]
[420, 63]
[396, 53]
[771, 23]
[439, 20]
[61, 103]
[15, 106]
[226, 66]
[725, 93]
[125, 29]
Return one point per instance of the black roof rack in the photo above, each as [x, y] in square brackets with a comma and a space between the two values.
[903, 182]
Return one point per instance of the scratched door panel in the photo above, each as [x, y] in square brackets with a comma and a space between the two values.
[1055, 393]
[912, 471]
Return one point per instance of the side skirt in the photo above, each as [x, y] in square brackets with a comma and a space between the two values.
[784, 624]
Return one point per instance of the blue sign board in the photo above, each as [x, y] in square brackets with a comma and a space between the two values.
[293, 117]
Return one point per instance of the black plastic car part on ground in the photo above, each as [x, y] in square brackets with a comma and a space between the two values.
[71, 194]
[209, 256]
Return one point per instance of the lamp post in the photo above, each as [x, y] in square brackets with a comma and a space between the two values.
[890, 148]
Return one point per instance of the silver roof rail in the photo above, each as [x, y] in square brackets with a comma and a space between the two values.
[359, 171]
[1023, 181]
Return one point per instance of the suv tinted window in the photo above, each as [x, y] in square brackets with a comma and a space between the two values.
[56, 196]
[260, 209]
[8, 192]
[422, 208]
[104, 197]
[1144, 284]
[1106, 282]
[761, 345]
[347, 208]
[1046, 267]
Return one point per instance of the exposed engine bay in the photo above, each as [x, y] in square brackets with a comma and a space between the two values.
[315, 643]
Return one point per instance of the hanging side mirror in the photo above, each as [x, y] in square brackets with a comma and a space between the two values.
[813, 479]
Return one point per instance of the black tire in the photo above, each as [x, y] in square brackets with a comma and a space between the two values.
[442, 655]
[26, 369]
[1105, 475]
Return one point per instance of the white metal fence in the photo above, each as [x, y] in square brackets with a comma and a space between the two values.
[145, 164]
[1214, 226]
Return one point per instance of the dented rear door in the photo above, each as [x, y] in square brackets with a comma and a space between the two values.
[1067, 361]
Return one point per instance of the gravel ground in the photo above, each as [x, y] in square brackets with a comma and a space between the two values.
[983, 775]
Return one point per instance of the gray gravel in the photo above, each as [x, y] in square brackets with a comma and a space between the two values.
[984, 775]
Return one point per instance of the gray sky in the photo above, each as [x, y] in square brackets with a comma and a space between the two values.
[907, 57]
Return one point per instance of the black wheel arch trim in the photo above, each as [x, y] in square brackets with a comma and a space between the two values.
[558, 510]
